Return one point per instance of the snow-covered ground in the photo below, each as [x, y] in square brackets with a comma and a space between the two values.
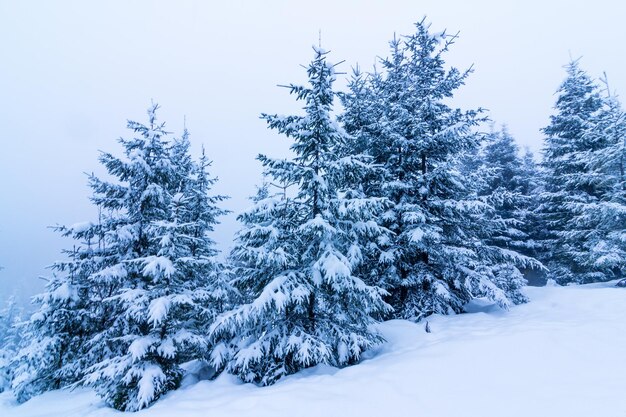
[562, 354]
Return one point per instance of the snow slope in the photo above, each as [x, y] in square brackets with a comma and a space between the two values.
[560, 355]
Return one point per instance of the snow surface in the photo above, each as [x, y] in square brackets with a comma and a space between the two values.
[562, 354]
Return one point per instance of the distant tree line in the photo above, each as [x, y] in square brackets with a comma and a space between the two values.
[402, 206]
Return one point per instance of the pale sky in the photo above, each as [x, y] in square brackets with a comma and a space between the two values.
[73, 72]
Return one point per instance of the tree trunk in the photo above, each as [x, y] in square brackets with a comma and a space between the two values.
[311, 312]
[424, 255]
[404, 292]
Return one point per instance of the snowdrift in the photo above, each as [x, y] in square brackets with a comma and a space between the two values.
[562, 354]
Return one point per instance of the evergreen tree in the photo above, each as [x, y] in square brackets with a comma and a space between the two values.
[511, 186]
[437, 259]
[298, 256]
[604, 218]
[572, 186]
[52, 349]
[531, 187]
[134, 298]
[363, 117]
[10, 338]
[501, 155]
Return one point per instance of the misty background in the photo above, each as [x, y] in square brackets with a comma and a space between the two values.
[73, 72]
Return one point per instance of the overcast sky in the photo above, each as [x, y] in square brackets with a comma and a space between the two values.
[72, 73]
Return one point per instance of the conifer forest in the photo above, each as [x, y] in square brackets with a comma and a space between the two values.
[398, 216]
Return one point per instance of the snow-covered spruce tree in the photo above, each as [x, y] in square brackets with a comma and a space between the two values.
[572, 186]
[134, 298]
[437, 259]
[10, 338]
[364, 113]
[511, 186]
[51, 354]
[164, 285]
[298, 254]
[531, 186]
[510, 189]
[501, 155]
[604, 219]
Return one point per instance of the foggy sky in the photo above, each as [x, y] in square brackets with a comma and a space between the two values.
[73, 72]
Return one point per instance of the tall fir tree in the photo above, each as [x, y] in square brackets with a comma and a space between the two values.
[531, 187]
[436, 260]
[572, 186]
[299, 253]
[510, 186]
[604, 218]
[134, 298]
[512, 183]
